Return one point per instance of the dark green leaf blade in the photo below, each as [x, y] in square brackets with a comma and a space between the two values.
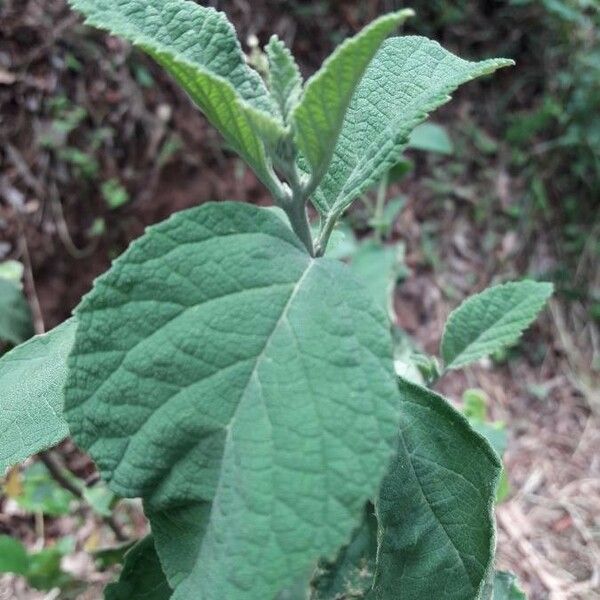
[435, 505]
[142, 577]
[210, 369]
[408, 78]
[32, 377]
[491, 320]
[16, 324]
[319, 116]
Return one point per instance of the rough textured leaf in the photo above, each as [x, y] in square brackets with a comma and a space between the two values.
[285, 81]
[211, 369]
[506, 587]
[199, 47]
[15, 316]
[352, 571]
[32, 377]
[435, 505]
[408, 78]
[489, 321]
[142, 577]
[320, 114]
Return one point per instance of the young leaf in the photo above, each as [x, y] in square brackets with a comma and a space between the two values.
[142, 577]
[32, 376]
[285, 81]
[199, 47]
[408, 78]
[15, 316]
[211, 370]
[319, 116]
[430, 137]
[489, 321]
[13, 556]
[435, 505]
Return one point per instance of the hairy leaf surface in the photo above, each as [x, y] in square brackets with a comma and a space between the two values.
[32, 377]
[218, 365]
[199, 47]
[142, 577]
[489, 321]
[319, 116]
[436, 537]
[285, 81]
[15, 316]
[408, 78]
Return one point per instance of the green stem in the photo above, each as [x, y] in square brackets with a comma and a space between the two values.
[296, 212]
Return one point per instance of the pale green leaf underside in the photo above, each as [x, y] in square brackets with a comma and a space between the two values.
[408, 78]
[489, 321]
[211, 369]
[142, 577]
[15, 317]
[32, 377]
[285, 81]
[435, 505]
[199, 47]
[319, 116]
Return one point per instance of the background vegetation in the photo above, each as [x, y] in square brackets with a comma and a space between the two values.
[97, 143]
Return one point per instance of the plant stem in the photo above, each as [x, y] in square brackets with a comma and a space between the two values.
[296, 212]
[325, 233]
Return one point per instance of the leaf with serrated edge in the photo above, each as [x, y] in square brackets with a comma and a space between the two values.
[319, 116]
[32, 377]
[142, 577]
[199, 47]
[211, 368]
[408, 78]
[491, 320]
[435, 507]
[15, 316]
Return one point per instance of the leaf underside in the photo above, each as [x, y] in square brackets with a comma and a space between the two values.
[210, 373]
[199, 47]
[435, 507]
[32, 377]
[487, 322]
[409, 77]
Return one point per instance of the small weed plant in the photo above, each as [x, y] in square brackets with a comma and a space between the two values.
[241, 382]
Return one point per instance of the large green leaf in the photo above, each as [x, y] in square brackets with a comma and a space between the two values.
[15, 316]
[199, 47]
[436, 537]
[489, 321]
[408, 78]
[319, 116]
[218, 365]
[32, 376]
[142, 577]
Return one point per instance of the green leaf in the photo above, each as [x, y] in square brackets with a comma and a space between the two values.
[31, 405]
[435, 505]
[430, 137]
[12, 270]
[42, 494]
[211, 372]
[13, 556]
[285, 81]
[15, 316]
[351, 574]
[506, 587]
[408, 78]
[490, 321]
[199, 47]
[319, 116]
[142, 577]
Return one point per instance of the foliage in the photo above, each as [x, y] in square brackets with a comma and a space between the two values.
[15, 316]
[240, 382]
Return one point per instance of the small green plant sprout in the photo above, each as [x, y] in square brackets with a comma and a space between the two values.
[240, 382]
